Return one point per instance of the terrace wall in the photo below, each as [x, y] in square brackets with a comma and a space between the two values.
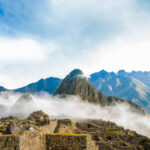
[32, 140]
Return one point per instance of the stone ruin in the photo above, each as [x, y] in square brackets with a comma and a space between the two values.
[38, 132]
[32, 140]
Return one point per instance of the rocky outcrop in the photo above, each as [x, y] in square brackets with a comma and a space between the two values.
[12, 125]
[39, 118]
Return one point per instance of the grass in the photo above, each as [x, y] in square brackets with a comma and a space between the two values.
[67, 134]
[2, 129]
[29, 131]
[130, 133]
[114, 130]
[8, 135]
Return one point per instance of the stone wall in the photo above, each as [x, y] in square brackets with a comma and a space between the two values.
[91, 145]
[32, 140]
[9, 142]
[59, 141]
[49, 128]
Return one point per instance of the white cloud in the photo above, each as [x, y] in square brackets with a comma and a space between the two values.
[24, 50]
[4, 79]
[89, 34]
[130, 53]
[22, 60]
[74, 108]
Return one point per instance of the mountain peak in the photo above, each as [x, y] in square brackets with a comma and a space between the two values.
[75, 72]
[72, 85]
[24, 106]
[103, 71]
[2, 89]
[121, 72]
[25, 97]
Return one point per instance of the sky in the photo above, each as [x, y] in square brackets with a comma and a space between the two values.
[43, 38]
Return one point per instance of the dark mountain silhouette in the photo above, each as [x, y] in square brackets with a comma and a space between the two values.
[2, 89]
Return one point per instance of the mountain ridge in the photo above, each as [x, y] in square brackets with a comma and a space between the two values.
[122, 84]
[46, 85]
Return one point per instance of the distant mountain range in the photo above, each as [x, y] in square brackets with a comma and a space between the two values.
[47, 85]
[133, 86]
[129, 86]
[139, 75]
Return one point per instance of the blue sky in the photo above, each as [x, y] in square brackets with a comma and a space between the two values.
[46, 38]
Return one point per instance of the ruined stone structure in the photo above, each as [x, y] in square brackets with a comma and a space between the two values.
[9, 142]
[40, 141]
[38, 132]
[32, 141]
[69, 142]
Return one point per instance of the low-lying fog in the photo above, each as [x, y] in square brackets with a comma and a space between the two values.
[72, 107]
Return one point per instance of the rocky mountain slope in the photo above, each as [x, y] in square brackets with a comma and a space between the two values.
[76, 84]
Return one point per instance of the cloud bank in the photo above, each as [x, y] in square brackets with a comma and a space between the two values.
[72, 107]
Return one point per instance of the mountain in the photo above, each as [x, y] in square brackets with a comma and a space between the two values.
[47, 85]
[76, 84]
[25, 98]
[24, 106]
[139, 75]
[2, 89]
[122, 85]
[129, 86]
